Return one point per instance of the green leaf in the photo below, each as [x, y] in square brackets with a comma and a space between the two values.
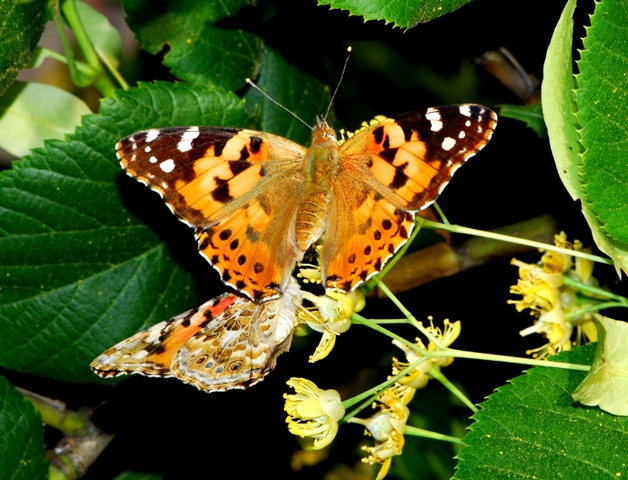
[78, 272]
[101, 33]
[532, 115]
[137, 476]
[198, 50]
[559, 103]
[403, 13]
[559, 110]
[33, 112]
[22, 25]
[603, 113]
[22, 447]
[606, 384]
[292, 88]
[531, 428]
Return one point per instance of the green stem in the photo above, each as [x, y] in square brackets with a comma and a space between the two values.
[57, 415]
[450, 352]
[68, 7]
[583, 287]
[441, 214]
[96, 75]
[360, 320]
[519, 241]
[392, 321]
[419, 432]
[81, 77]
[376, 390]
[436, 374]
[413, 321]
[576, 314]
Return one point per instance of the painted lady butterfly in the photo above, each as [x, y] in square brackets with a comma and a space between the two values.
[258, 201]
[228, 342]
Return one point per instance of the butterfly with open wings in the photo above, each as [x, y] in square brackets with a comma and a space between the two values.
[258, 201]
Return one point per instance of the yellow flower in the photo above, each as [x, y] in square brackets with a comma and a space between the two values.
[387, 428]
[543, 291]
[313, 412]
[418, 377]
[331, 315]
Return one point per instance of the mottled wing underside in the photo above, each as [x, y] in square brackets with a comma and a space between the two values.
[227, 343]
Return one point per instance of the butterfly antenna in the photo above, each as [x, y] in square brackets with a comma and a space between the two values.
[252, 84]
[344, 68]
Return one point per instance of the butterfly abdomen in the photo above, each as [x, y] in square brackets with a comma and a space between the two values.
[312, 217]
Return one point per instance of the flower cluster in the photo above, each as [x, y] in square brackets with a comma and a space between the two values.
[389, 424]
[543, 291]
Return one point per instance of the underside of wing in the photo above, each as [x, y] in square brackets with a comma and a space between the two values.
[240, 347]
[151, 351]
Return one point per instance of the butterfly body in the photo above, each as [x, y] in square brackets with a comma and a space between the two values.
[258, 201]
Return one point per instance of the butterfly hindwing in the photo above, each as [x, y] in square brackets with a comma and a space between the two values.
[228, 342]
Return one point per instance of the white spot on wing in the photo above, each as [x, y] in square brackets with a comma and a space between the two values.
[152, 159]
[151, 135]
[433, 116]
[186, 139]
[448, 143]
[147, 149]
[467, 123]
[461, 135]
[141, 354]
[465, 110]
[167, 166]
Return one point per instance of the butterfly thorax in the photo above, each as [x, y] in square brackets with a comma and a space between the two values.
[322, 161]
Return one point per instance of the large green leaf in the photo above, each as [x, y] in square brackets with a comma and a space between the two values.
[22, 445]
[198, 50]
[532, 428]
[602, 100]
[403, 13]
[602, 166]
[20, 30]
[78, 271]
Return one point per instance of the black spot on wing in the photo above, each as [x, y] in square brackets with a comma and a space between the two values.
[378, 134]
[221, 192]
[256, 144]
[389, 154]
